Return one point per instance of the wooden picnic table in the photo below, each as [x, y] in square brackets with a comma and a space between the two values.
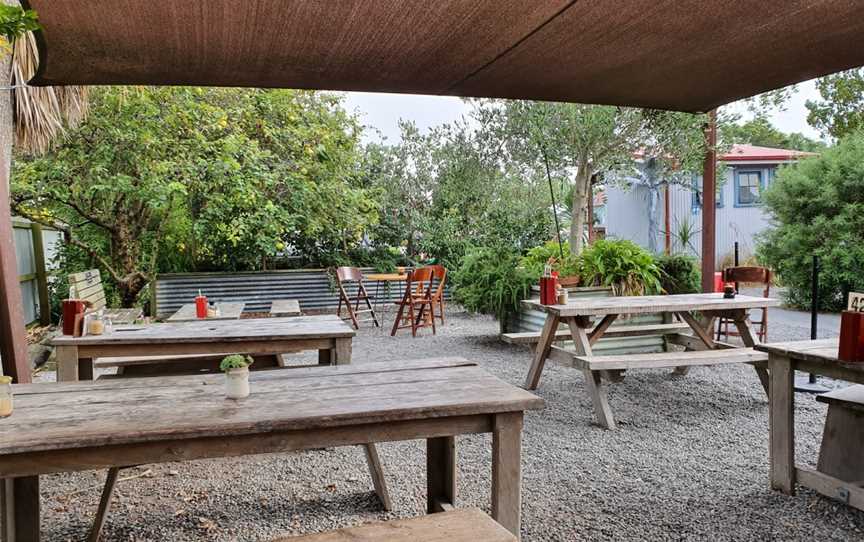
[77, 426]
[327, 333]
[818, 357]
[285, 307]
[227, 311]
[699, 311]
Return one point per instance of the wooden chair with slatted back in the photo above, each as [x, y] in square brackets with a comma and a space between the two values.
[87, 285]
[747, 275]
[417, 308]
[438, 295]
[352, 278]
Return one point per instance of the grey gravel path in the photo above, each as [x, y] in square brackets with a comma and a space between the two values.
[689, 462]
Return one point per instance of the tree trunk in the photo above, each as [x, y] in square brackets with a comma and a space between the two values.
[581, 193]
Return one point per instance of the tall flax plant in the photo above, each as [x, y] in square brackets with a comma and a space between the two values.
[41, 114]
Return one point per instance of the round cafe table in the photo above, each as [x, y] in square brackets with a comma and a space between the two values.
[385, 278]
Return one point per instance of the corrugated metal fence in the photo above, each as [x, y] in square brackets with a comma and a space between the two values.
[35, 248]
[313, 288]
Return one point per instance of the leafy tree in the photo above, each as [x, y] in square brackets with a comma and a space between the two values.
[840, 111]
[816, 209]
[761, 132]
[180, 179]
[570, 143]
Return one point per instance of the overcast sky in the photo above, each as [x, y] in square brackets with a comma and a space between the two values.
[383, 111]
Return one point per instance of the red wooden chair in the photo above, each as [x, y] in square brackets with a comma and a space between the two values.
[416, 301]
[438, 295]
[752, 275]
[352, 278]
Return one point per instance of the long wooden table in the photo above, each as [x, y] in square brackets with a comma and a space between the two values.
[817, 357]
[699, 311]
[327, 333]
[79, 426]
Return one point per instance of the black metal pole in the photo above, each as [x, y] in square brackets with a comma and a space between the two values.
[554, 206]
[812, 385]
[814, 300]
[736, 264]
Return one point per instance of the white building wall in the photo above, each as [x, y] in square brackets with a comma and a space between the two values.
[627, 217]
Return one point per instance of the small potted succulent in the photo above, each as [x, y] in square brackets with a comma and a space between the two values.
[236, 368]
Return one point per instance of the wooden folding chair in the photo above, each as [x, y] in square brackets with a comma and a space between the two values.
[416, 300]
[345, 277]
[438, 295]
[752, 275]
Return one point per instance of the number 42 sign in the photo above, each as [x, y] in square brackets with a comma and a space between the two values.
[856, 302]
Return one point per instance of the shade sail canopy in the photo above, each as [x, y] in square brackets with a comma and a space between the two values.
[688, 55]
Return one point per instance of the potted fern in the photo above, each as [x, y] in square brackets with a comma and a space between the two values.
[236, 369]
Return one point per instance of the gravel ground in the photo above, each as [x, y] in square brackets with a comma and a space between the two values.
[688, 462]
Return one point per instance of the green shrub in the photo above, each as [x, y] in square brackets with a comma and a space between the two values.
[235, 361]
[492, 281]
[539, 255]
[816, 208]
[624, 266]
[679, 274]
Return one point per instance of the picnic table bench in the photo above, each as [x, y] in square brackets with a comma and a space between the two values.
[697, 311]
[227, 311]
[88, 286]
[285, 307]
[173, 342]
[75, 426]
[468, 525]
[840, 458]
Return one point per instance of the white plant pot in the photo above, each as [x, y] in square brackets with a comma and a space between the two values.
[237, 383]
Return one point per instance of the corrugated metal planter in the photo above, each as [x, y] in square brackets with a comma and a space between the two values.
[532, 320]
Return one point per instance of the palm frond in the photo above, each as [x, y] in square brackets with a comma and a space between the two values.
[42, 114]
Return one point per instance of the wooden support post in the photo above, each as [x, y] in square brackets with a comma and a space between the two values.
[13, 336]
[441, 474]
[507, 471]
[709, 203]
[41, 274]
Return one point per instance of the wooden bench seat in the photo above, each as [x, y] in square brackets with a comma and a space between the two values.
[187, 364]
[843, 438]
[532, 337]
[284, 307]
[464, 525]
[662, 360]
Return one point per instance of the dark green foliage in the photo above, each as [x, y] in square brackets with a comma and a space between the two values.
[491, 281]
[679, 274]
[15, 21]
[235, 361]
[817, 208]
[537, 257]
[622, 265]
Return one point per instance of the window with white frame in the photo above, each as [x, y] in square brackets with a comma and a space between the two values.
[748, 188]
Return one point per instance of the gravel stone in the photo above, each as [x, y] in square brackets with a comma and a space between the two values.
[688, 462]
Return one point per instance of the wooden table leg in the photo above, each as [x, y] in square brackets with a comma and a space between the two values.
[507, 471]
[343, 351]
[750, 338]
[67, 363]
[104, 504]
[441, 474]
[781, 427]
[19, 509]
[85, 369]
[703, 330]
[547, 337]
[593, 379]
[377, 473]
